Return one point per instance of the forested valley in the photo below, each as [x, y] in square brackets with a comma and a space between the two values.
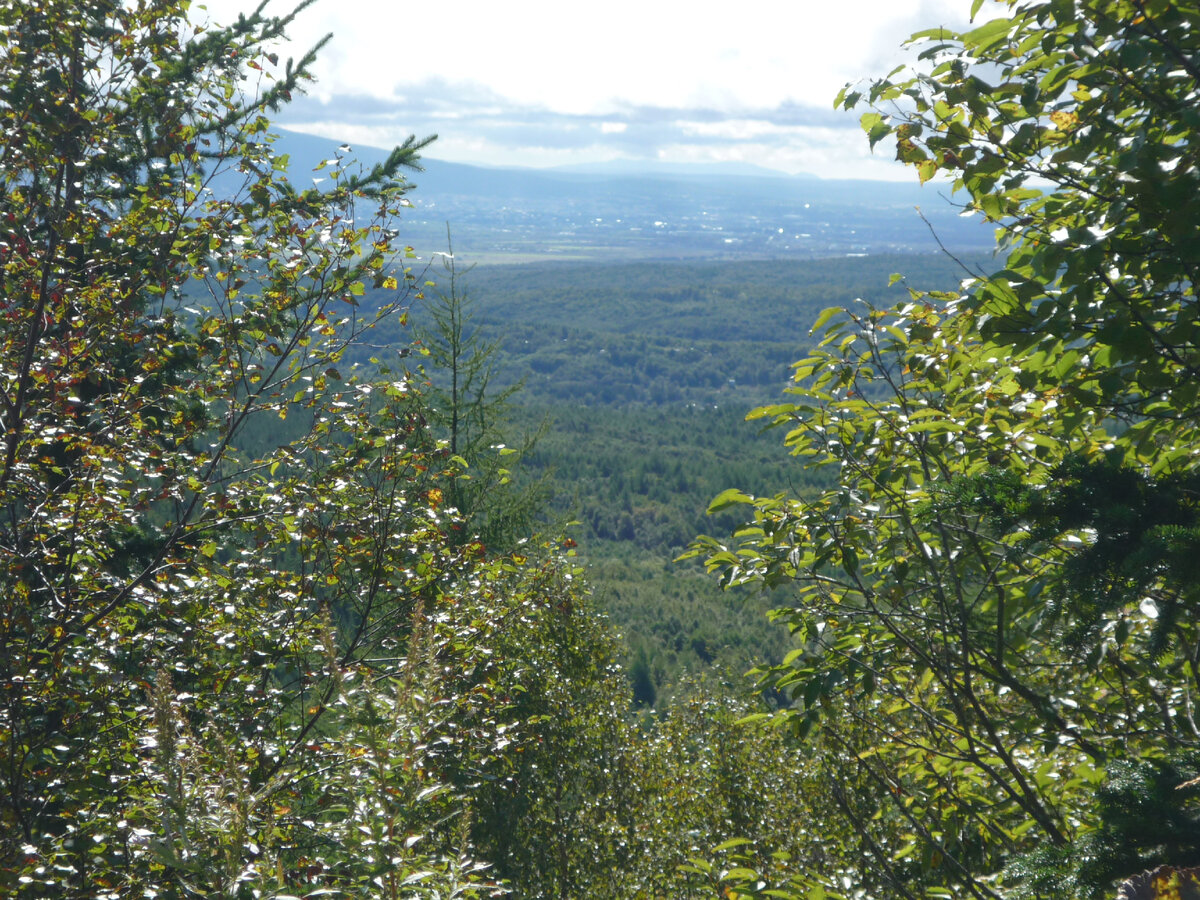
[635, 379]
[334, 569]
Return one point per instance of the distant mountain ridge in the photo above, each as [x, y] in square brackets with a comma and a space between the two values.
[310, 150]
[630, 210]
[677, 169]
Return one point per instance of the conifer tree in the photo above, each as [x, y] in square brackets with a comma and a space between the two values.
[473, 417]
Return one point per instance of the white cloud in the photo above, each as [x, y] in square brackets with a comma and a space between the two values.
[735, 129]
[588, 57]
[743, 66]
[826, 152]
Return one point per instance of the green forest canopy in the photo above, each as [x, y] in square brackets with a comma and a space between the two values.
[242, 668]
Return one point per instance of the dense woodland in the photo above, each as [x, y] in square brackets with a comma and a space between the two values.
[312, 589]
[635, 380]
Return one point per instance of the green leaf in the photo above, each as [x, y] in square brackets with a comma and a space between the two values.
[824, 317]
[731, 843]
[727, 498]
[739, 874]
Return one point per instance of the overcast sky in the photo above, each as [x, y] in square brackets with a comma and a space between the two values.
[537, 83]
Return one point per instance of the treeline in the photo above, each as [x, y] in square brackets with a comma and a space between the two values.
[672, 333]
[270, 625]
[637, 378]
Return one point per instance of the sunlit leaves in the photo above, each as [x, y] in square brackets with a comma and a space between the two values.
[188, 595]
[1099, 110]
[996, 452]
[244, 648]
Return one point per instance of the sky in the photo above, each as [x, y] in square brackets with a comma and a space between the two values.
[536, 83]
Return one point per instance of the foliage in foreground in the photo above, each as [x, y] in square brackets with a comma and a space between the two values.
[997, 600]
[248, 646]
[230, 665]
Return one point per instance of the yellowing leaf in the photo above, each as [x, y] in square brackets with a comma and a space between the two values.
[1064, 121]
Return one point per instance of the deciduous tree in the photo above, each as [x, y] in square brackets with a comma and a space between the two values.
[996, 600]
[239, 653]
